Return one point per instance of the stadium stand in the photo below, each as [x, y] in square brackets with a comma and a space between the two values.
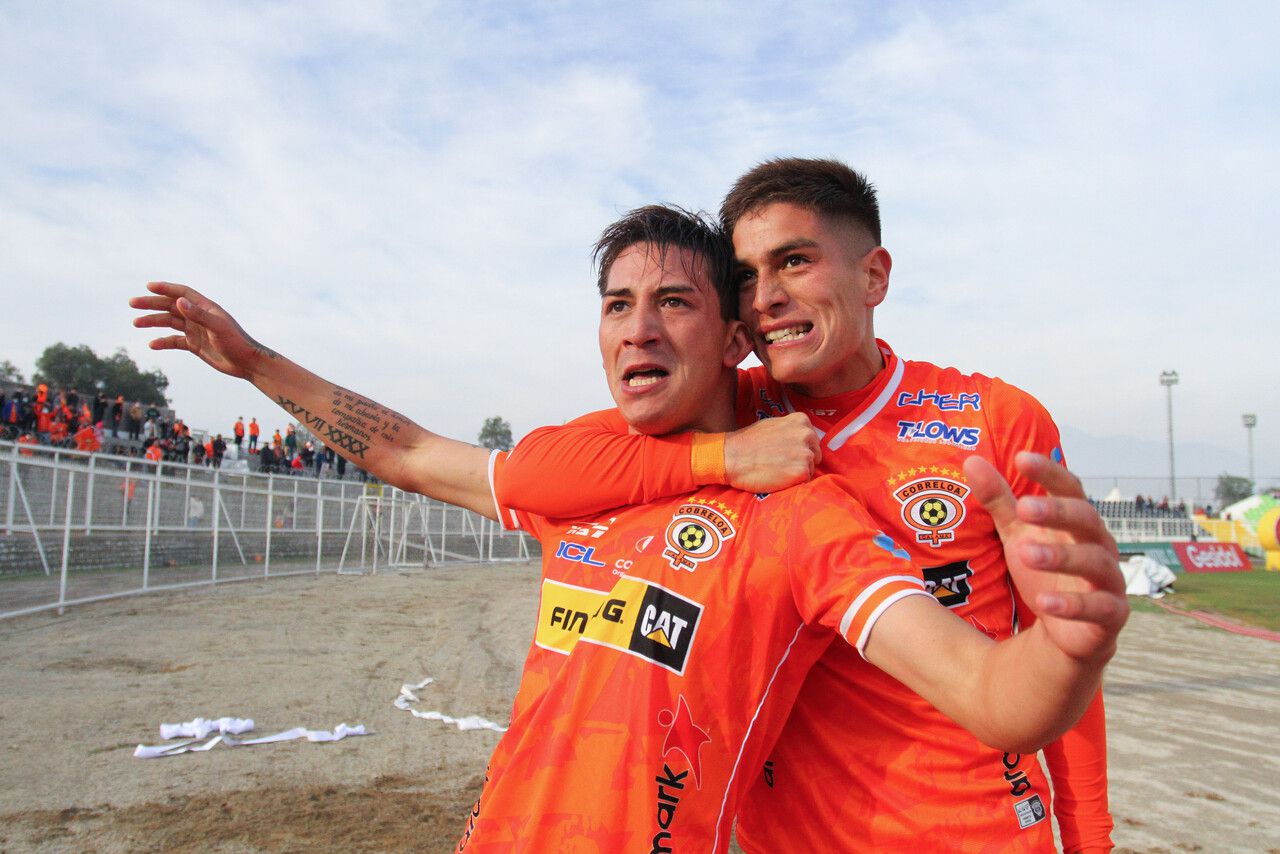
[61, 418]
[1131, 520]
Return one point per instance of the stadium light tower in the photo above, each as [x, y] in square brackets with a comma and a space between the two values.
[1250, 421]
[1169, 379]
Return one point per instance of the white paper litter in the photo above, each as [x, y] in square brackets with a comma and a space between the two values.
[200, 727]
[408, 696]
[226, 728]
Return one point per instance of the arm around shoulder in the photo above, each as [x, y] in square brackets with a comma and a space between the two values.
[591, 465]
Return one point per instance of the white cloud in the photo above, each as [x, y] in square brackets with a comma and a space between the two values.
[404, 197]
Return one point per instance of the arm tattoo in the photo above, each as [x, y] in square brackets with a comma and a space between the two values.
[356, 422]
[263, 350]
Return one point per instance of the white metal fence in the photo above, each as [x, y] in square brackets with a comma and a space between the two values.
[84, 527]
[1155, 530]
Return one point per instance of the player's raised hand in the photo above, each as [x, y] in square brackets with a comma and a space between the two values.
[772, 454]
[1061, 557]
[204, 328]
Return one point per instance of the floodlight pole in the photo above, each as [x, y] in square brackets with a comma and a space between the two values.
[1250, 421]
[1169, 379]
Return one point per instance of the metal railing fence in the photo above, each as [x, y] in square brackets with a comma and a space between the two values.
[1156, 530]
[80, 527]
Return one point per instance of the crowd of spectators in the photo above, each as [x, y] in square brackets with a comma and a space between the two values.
[1147, 506]
[66, 419]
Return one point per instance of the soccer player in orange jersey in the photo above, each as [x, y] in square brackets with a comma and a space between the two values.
[673, 636]
[807, 238]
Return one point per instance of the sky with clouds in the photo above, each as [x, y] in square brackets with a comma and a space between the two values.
[402, 196]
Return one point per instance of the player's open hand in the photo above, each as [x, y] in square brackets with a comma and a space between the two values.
[1062, 559]
[772, 454]
[204, 328]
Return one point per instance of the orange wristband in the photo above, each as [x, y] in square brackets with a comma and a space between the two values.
[707, 458]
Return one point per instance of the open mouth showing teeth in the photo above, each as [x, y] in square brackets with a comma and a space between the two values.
[791, 333]
[647, 376]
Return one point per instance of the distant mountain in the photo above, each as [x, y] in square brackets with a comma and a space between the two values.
[1142, 465]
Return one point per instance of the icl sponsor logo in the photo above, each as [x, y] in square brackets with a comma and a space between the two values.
[578, 553]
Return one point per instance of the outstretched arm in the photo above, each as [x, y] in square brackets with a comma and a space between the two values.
[1023, 692]
[368, 434]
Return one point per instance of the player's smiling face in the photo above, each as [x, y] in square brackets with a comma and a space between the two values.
[667, 352]
[807, 287]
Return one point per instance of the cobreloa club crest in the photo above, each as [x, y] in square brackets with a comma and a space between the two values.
[696, 532]
[933, 505]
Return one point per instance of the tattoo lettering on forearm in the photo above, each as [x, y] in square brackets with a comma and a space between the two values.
[345, 441]
[365, 419]
[335, 438]
[356, 423]
[314, 422]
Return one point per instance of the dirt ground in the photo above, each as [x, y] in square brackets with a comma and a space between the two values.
[1195, 735]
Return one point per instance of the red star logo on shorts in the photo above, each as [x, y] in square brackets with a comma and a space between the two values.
[685, 736]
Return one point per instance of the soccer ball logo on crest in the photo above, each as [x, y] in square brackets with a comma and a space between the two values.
[695, 534]
[934, 507]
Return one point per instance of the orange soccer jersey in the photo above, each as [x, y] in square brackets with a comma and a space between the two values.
[671, 640]
[864, 764]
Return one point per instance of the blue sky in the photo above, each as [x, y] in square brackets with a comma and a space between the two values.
[402, 196]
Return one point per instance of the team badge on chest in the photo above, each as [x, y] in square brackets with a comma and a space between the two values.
[932, 500]
[696, 532]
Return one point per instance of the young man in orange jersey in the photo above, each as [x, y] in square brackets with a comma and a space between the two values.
[673, 636]
[811, 270]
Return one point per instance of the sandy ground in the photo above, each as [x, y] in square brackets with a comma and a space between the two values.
[1195, 735]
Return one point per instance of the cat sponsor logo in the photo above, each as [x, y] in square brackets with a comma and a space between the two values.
[949, 584]
[634, 617]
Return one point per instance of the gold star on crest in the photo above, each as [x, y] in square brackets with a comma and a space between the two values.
[716, 504]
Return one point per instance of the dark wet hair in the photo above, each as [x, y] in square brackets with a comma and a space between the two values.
[667, 227]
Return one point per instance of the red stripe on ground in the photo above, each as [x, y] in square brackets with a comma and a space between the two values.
[1223, 623]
